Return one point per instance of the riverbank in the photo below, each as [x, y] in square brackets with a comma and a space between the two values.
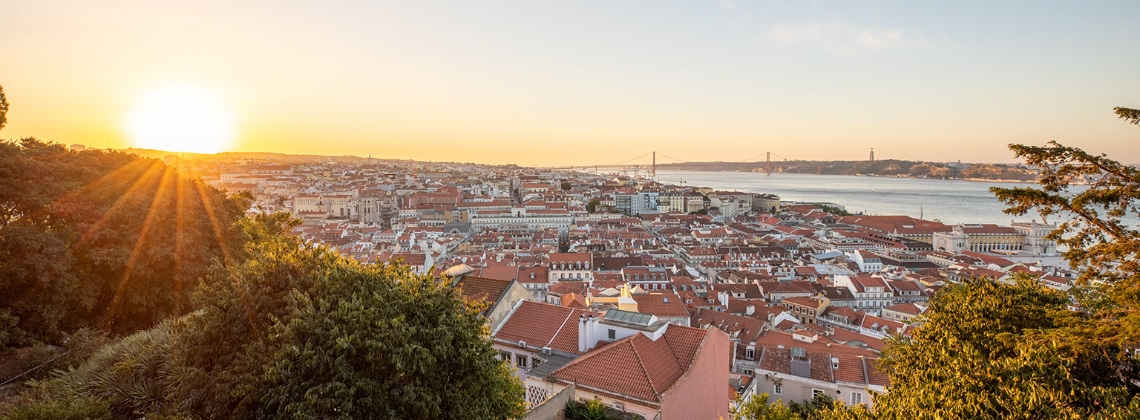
[991, 172]
[949, 201]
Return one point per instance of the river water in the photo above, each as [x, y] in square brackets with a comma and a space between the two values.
[949, 201]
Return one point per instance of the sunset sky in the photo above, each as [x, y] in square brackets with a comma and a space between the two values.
[584, 82]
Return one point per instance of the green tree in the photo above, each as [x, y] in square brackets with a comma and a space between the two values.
[988, 349]
[758, 408]
[820, 407]
[101, 239]
[225, 348]
[589, 410]
[298, 331]
[1092, 229]
[1129, 114]
[3, 108]
[379, 341]
[812, 408]
[592, 206]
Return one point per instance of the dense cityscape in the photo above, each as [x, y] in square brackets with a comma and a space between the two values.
[566, 210]
[576, 264]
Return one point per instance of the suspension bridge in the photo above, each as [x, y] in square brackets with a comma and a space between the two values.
[648, 162]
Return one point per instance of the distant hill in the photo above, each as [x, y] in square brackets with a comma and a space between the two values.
[889, 167]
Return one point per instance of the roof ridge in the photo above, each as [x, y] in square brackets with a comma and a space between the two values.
[669, 345]
[689, 367]
[644, 370]
[560, 327]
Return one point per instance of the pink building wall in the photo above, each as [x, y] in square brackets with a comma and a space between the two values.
[702, 393]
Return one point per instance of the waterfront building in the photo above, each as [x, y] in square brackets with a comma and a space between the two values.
[1034, 241]
[979, 238]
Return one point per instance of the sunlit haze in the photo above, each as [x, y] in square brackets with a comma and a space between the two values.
[582, 83]
[180, 119]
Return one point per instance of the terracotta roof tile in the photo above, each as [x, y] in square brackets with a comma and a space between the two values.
[501, 272]
[542, 325]
[637, 366]
[855, 365]
[661, 304]
[744, 328]
[478, 288]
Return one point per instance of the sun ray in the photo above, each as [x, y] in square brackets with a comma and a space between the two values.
[226, 257]
[179, 240]
[219, 236]
[144, 232]
[110, 178]
[145, 175]
[134, 171]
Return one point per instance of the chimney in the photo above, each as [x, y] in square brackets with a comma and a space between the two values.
[582, 333]
[587, 332]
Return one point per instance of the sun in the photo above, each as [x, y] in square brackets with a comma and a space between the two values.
[181, 120]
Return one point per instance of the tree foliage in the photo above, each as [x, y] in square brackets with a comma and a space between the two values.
[121, 379]
[101, 239]
[595, 409]
[295, 330]
[819, 407]
[299, 331]
[1093, 228]
[3, 108]
[988, 349]
[379, 341]
[1128, 114]
[225, 345]
[592, 206]
[1090, 216]
[758, 408]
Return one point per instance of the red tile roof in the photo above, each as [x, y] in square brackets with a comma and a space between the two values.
[741, 327]
[501, 272]
[478, 288]
[542, 325]
[637, 366]
[855, 365]
[661, 304]
[534, 274]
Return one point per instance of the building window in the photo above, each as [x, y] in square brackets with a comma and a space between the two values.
[612, 334]
[520, 361]
[856, 398]
[749, 354]
[777, 389]
[816, 392]
[505, 356]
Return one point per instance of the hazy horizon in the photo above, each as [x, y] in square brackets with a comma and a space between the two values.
[553, 84]
[637, 162]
